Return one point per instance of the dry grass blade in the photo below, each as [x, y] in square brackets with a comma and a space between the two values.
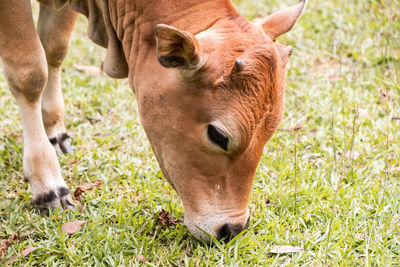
[285, 249]
[92, 70]
[334, 78]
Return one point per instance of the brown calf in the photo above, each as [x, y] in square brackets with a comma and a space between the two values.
[209, 83]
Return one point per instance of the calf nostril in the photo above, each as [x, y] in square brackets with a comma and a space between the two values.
[224, 232]
[229, 231]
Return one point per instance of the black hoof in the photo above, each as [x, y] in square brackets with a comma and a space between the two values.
[45, 211]
[52, 201]
[67, 203]
[46, 201]
[65, 146]
[61, 143]
[57, 148]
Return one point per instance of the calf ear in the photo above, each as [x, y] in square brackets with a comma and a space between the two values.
[176, 48]
[282, 21]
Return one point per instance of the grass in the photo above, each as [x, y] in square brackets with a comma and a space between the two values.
[328, 181]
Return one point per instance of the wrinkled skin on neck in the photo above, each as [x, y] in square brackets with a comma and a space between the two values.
[177, 105]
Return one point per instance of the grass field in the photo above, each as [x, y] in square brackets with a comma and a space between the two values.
[328, 181]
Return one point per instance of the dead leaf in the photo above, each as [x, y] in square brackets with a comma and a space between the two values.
[384, 95]
[24, 253]
[71, 227]
[360, 236]
[164, 218]
[297, 127]
[28, 251]
[142, 258]
[285, 249]
[83, 208]
[81, 189]
[6, 243]
[92, 70]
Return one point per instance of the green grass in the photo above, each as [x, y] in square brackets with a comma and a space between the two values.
[333, 185]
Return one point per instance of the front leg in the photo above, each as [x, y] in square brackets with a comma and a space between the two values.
[55, 29]
[25, 69]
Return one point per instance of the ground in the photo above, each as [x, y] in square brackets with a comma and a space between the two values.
[328, 181]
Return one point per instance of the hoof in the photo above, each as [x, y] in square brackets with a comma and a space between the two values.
[52, 201]
[67, 203]
[65, 146]
[61, 143]
[46, 200]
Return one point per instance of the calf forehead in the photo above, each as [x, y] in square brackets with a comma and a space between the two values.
[254, 89]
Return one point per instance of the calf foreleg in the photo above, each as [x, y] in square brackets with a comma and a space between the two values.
[55, 29]
[25, 68]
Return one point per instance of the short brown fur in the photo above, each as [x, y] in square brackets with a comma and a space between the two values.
[181, 59]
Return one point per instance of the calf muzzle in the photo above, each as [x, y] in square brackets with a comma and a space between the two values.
[229, 231]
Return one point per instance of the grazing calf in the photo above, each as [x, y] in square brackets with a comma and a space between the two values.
[209, 84]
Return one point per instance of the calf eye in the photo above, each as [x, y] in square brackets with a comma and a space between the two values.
[218, 137]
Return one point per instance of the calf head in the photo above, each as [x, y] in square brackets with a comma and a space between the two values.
[216, 101]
